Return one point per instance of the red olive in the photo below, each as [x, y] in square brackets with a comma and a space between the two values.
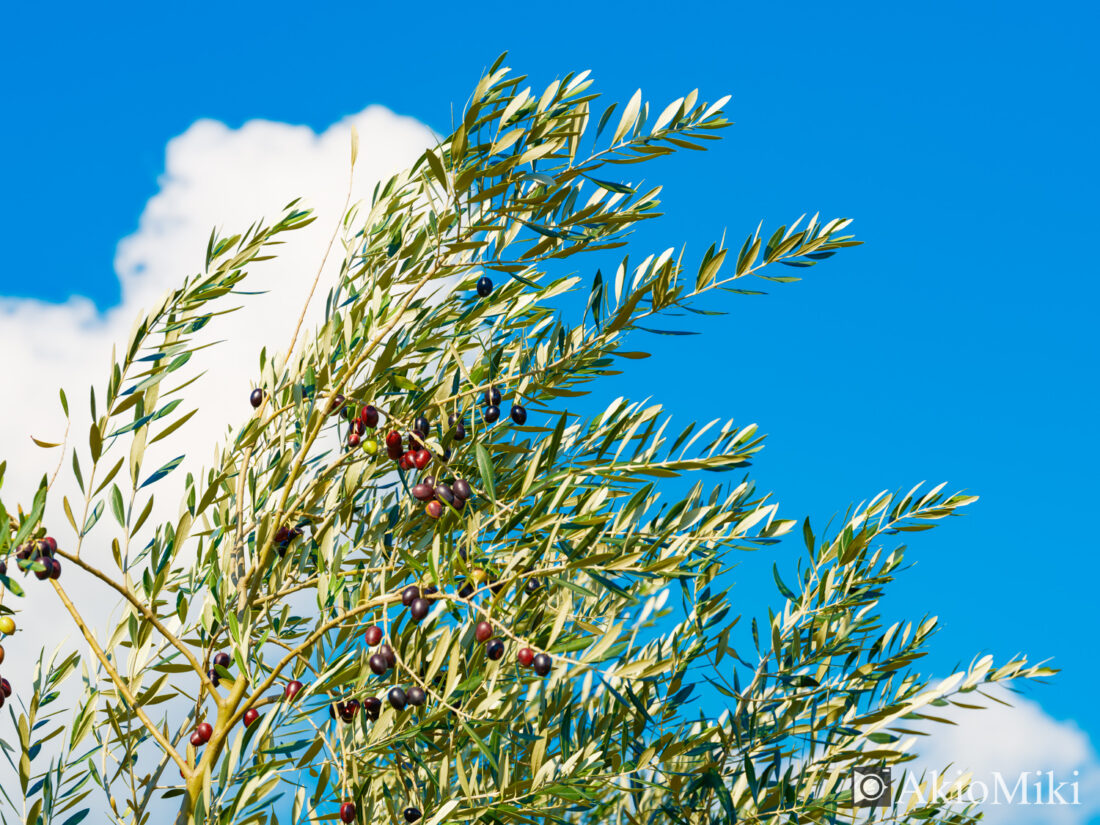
[483, 632]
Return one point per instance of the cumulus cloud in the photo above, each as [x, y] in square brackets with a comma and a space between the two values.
[1007, 750]
[214, 176]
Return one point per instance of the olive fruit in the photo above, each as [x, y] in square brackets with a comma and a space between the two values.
[393, 440]
[483, 631]
[44, 573]
[411, 815]
[416, 696]
[421, 458]
[495, 649]
[460, 432]
[409, 594]
[197, 740]
[371, 706]
[353, 440]
[433, 509]
[55, 569]
[386, 652]
[541, 664]
[369, 416]
[484, 286]
[347, 812]
[422, 492]
[205, 730]
[372, 635]
[348, 709]
[250, 716]
[337, 403]
[213, 676]
[492, 397]
[221, 659]
[444, 493]
[7, 625]
[256, 398]
[419, 609]
[461, 489]
[531, 585]
[525, 656]
[519, 414]
[422, 426]
[5, 687]
[398, 698]
[378, 664]
[292, 689]
[491, 413]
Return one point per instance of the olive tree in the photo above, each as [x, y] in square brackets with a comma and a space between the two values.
[424, 579]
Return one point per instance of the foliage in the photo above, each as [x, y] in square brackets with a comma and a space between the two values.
[571, 544]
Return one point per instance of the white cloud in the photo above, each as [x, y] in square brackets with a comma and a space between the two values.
[214, 176]
[1012, 742]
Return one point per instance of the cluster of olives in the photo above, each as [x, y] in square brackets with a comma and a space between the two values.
[367, 419]
[37, 550]
[438, 496]
[283, 537]
[491, 412]
[384, 659]
[221, 660]
[41, 551]
[494, 649]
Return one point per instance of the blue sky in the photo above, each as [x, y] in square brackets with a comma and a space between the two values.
[952, 346]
